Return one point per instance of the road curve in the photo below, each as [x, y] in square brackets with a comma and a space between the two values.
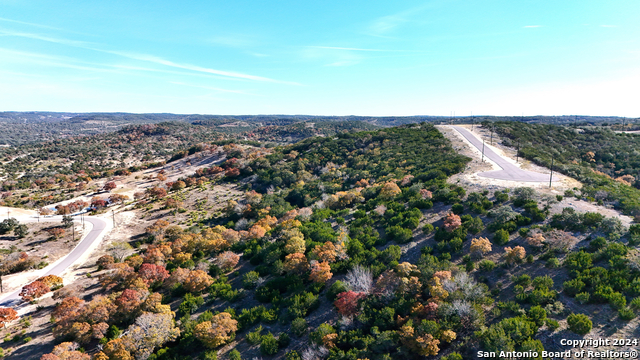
[13, 299]
[509, 171]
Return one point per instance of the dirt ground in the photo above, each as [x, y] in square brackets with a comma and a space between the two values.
[39, 245]
[130, 224]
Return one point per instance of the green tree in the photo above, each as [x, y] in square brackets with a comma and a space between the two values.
[21, 231]
[579, 323]
[67, 221]
[269, 344]
[501, 237]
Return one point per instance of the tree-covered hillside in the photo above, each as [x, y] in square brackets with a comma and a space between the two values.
[605, 161]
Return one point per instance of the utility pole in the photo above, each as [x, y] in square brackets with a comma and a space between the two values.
[518, 151]
[491, 133]
[551, 175]
[74, 231]
[473, 121]
[113, 212]
[482, 150]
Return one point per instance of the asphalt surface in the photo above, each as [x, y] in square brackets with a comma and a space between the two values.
[509, 171]
[13, 299]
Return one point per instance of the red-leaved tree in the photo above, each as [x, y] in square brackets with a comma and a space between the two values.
[34, 290]
[452, 222]
[110, 186]
[347, 302]
[129, 301]
[152, 274]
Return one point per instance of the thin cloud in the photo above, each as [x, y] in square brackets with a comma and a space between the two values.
[56, 61]
[364, 49]
[343, 63]
[531, 26]
[350, 49]
[161, 61]
[144, 57]
[62, 41]
[30, 24]
[209, 88]
[386, 24]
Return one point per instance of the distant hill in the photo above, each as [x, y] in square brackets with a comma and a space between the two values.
[26, 127]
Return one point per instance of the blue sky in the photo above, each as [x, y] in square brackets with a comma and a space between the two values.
[493, 57]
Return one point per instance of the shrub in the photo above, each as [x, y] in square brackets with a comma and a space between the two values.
[573, 287]
[552, 324]
[579, 323]
[626, 314]
[501, 197]
[293, 355]
[553, 263]
[269, 344]
[254, 337]
[523, 232]
[335, 289]
[457, 209]
[617, 300]
[321, 331]
[454, 355]
[486, 265]
[190, 304]
[583, 297]
[501, 237]
[211, 355]
[234, 355]
[427, 228]
[283, 340]
[299, 326]
[399, 234]
[250, 280]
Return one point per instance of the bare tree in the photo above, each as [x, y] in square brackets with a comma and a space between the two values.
[315, 353]
[120, 249]
[150, 331]
[242, 224]
[359, 279]
[464, 286]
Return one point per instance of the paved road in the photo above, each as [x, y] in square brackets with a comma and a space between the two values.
[99, 225]
[509, 171]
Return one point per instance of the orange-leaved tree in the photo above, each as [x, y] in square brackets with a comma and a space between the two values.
[320, 272]
[7, 315]
[217, 331]
[197, 281]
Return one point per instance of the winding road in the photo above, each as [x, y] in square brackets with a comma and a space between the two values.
[98, 226]
[509, 171]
